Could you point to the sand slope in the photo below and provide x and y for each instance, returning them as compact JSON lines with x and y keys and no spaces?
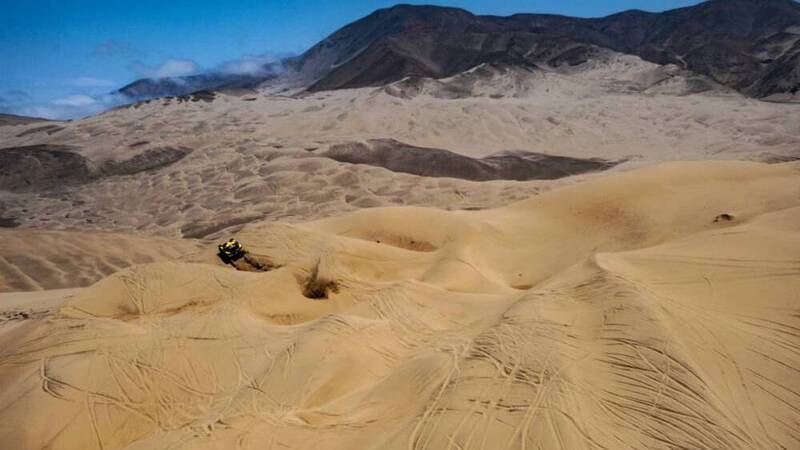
{"x":614,"y":313}
{"x":46,"y":259}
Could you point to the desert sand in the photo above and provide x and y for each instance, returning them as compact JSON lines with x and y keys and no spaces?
{"x":600,"y":257}
{"x":51,"y":259}
{"x":647,"y":308}
{"x":256,"y":157}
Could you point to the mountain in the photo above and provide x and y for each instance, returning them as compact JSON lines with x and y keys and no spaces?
{"x":752,"y":46}
{"x":12,"y":119}
{"x":164,"y":87}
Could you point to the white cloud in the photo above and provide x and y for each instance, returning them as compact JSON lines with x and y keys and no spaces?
{"x":176,"y":68}
{"x":91,"y":82}
{"x":170,"y":68}
{"x":248,"y":65}
{"x":112,"y":99}
{"x":75,"y":100}
{"x":44,"y":112}
{"x":70,"y":107}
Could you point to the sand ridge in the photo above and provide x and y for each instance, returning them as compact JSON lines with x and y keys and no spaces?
{"x":612,"y":313}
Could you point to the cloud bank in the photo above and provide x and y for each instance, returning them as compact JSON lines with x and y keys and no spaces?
{"x":75,"y":100}
{"x":65,"y":108}
{"x":85,"y":97}
{"x":170,"y":68}
{"x":252,"y":65}
{"x":90,"y":82}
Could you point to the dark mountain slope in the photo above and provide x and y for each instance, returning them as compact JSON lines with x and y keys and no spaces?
{"x":737,"y":42}
{"x":752,"y":46}
{"x":749,"y":45}
{"x":11,"y":119}
{"x":163,"y":87}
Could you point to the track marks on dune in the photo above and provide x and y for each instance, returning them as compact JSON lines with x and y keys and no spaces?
{"x":736,"y":342}
{"x":666,"y":391}
{"x":520,"y":381}
{"x":657,"y":348}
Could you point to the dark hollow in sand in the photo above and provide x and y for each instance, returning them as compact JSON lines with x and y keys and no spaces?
{"x":8,"y":222}
{"x":38,"y":168}
{"x":433,"y":162}
{"x":41,"y":167}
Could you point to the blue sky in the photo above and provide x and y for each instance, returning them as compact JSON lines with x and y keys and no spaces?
{"x":58,"y":57}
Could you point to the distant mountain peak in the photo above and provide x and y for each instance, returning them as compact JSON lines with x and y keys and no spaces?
{"x":408,"y":7}
{"x":749,"y":45}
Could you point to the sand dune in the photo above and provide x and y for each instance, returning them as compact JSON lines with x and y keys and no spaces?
{"x":44,"y":259}
{"x":654,"y":308}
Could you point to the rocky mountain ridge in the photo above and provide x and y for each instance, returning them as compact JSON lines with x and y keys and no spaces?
{"x":752,"y":46}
